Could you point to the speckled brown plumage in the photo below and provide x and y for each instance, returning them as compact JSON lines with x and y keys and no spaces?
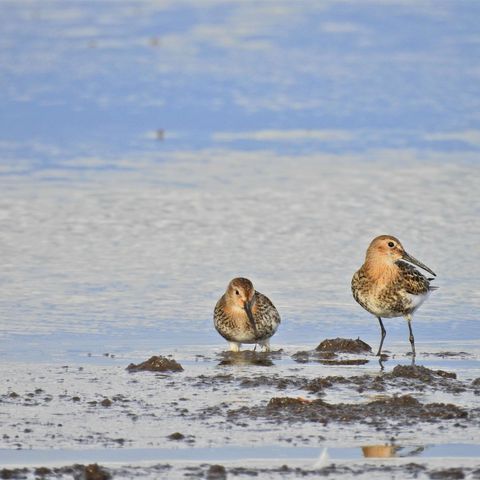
{"x":397,"y":297}
{"x":387,"y":286}
{"x":232,"y":321}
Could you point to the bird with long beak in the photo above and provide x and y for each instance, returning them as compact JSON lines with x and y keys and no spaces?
{"x":387,"y":285}
{"x":243,"y":315}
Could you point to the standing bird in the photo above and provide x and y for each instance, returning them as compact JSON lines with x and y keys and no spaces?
{"x":243,"y":315}
{"x":387,"y":286}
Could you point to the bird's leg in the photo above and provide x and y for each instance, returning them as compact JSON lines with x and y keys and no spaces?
{"x":411,"y":338}
{"x":380,"y":362}
{"x":265,"y":345}
{"x":234,"y":346}
{"x":383,"y":337}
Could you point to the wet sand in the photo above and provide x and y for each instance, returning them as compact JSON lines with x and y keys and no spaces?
{"x":228,"y":415}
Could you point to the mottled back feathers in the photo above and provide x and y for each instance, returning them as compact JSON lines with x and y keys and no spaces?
{"x":233,"y":323}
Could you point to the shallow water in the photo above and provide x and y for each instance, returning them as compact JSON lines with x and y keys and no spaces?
{"x":151,"y":152}
{"x":225,"y":454}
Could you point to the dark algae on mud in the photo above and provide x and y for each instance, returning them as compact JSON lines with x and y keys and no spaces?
{"x":344,"y":345}
{"x":156,"y":364}
{"x":403,"y":408}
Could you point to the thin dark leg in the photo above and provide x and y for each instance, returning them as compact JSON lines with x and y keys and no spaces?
{"x":411,"y":338}
{"x":383,"y":337}
{"x":380,"y":362}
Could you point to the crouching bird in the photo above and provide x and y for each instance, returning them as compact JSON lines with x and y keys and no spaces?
{"x":243,"y":315}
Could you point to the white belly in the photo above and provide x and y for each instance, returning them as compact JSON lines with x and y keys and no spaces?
{"x":417,"y":300}
{"x":410,"y":304}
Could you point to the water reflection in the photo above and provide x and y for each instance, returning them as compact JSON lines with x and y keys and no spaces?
{"x":379,"y":451}
{"x":249,"y":357}
{"x":391,"y":450}
{"x":384,"y":358}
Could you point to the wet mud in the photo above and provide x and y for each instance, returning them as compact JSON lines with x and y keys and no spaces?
{"x":224,"y":398}
{"x":395,"y":402}
{"x":403,"y":409}
{"x":418,"y":378}
{"x":279,"y":382}
{"x":77,"y":472}
{"x":156,"y":364}
{"x":217,"y":471}
{"x":447,"y":354}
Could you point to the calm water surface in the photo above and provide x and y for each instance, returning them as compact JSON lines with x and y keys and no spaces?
{"x":151,"y":151}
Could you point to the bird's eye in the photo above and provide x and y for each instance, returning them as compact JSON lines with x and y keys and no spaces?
{"x":391,"y":244}
{"x":237,"y":292}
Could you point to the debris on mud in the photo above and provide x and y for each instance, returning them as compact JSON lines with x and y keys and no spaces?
{"x":216,"y":472}
{"x":156,"y":364}
{"x":42,"y":471}
{"x":344,"y":345}
{"x":177,"y":436}
{"x":448,"y":474}
{"x":420,"y":373}
{"x":327,"y":352}
{"x":410,"y":375}
{"x":362,"y":383}
{"x":13,"y":472}
{"x":78,"y":472}
{"x":95,"y":472}
{"x":448,"y":354}
{"x":403,"y":408}
{"x":253,"y":381}
{"x":220,"y":472}
{"x":348,"y":361}
{"x":278,"y":382}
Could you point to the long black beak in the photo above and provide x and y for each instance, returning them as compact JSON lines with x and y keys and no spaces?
{"x":416,"y":262}
{"x":248,"y":309}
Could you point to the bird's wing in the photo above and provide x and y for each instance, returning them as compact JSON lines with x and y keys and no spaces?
{"x":413,"y":281}
{"x":265,"y":306}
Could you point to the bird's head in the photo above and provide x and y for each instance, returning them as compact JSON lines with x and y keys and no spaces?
{"x":241,"y":294}
{"x":388,"y":249}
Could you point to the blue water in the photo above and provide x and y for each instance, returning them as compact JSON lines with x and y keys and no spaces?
{"x":152,"y":151}
{"x":86,"y":78}
{"x":272,"y":453}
